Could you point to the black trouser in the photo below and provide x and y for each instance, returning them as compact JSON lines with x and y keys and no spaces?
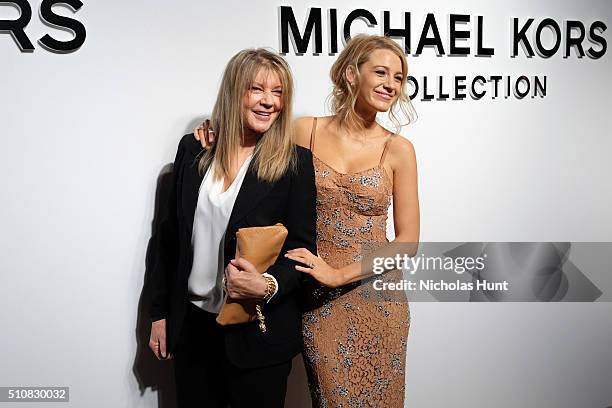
{"x":206,"y":378}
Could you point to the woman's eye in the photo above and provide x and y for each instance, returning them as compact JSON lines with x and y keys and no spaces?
{"x":380,"y":72}
{"x":256,"y":88}
{"x":398,"y":79}
{"x":277,"y":92}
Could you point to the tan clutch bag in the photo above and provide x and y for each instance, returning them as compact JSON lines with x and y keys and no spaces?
{"x":260,"y":246}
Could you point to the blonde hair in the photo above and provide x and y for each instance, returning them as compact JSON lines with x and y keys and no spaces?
{"x":274,"y":153}
{"x":344,"y":94}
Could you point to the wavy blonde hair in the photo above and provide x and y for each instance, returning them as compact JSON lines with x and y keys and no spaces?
{"x":344,"y":95}
{"x":274,"y":153}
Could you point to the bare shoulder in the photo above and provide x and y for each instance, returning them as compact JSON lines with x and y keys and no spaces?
{"x":401,"y":152}
{"x":301,"y":131}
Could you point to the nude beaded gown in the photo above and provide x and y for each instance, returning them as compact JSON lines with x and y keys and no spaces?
{"x":354,"y":336}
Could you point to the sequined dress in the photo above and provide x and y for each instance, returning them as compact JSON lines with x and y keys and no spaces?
{"x":354,"y":336}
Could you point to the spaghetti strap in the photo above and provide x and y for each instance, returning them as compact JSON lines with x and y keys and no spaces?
{"x":384,"y":153}
{"x":313,"y":132}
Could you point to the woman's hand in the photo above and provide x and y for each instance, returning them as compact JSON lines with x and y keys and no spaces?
{"x":205,"y":134}
{"x":242,"y":281}
{"x":317,"y":267}
{"x":157,"y":342}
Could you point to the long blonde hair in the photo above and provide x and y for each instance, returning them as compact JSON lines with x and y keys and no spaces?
{"x":344,"y":94}
{"x":274,"y":153}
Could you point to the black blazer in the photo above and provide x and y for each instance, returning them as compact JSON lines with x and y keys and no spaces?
{"x":290,"y":201}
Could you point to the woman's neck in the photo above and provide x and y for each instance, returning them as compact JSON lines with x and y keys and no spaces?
{"x":249,"y":140}
{"x":366,"y":117}
{"x":366,"y":125}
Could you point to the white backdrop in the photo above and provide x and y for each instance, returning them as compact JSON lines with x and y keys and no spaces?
{"x":86,"y":135}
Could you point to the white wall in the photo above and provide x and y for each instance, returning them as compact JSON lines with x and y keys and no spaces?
{"x":84,"y":137}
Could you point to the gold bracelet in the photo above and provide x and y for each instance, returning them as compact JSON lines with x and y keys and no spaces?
{"x":270,"y":288}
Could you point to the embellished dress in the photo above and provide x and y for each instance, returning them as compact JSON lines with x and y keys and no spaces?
{"x":354,"y":336}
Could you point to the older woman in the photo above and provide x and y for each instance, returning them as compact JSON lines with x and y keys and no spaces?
{"x":253,"y":176}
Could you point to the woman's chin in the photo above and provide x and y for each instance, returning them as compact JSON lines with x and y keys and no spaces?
{"x":259,"y":128}
{"x":378,"y":106}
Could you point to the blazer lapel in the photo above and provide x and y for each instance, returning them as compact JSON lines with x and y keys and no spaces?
{"x":250,"y":194}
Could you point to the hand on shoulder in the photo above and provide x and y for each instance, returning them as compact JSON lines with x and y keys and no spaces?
{"x":204,"y":134}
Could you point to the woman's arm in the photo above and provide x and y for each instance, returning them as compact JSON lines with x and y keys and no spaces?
{"x":300,"y":223}
{"x":165,"y":256}
{"x":242,"y":279}
{"x":165,"y":247}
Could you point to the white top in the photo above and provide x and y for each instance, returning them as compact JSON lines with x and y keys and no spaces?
{"x":209,"y":224}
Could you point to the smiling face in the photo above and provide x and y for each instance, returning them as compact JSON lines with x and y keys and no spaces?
{"x":380,"y":80}
{"x":262,"y":102}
